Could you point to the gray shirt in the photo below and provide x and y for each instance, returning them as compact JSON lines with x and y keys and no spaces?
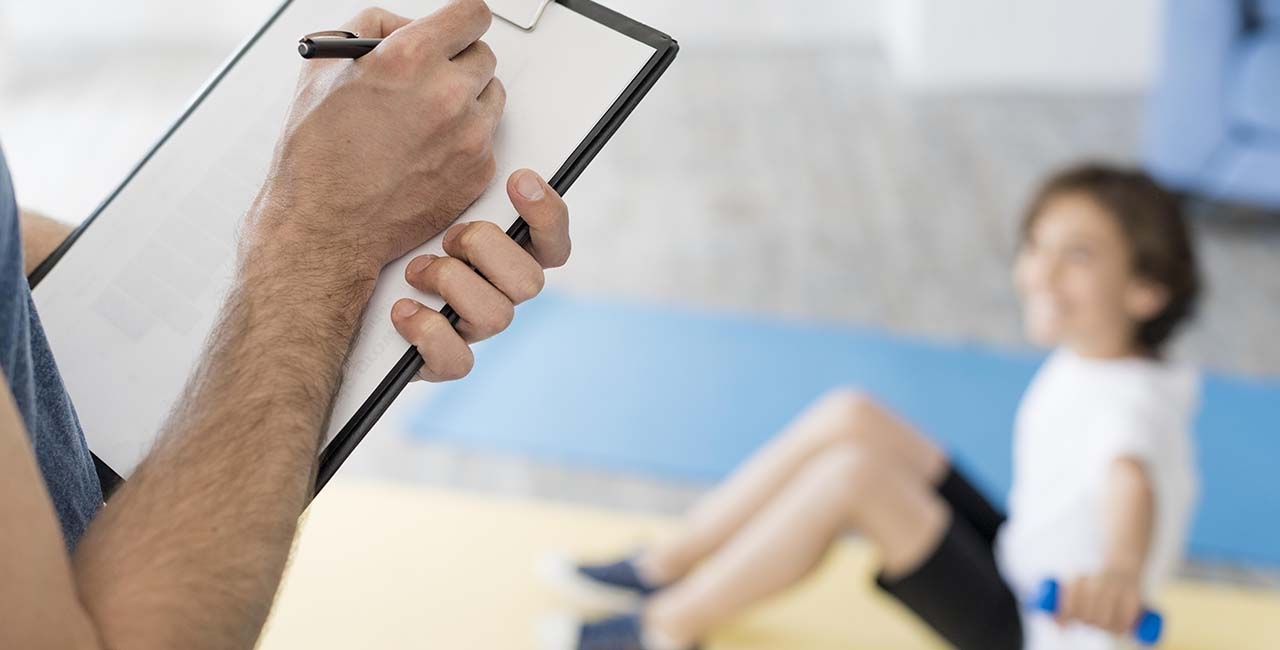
{"x":37,"y":388}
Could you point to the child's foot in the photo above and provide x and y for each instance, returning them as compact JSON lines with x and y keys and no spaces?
{"x":614,"y":588}
{"x":617,"y":633}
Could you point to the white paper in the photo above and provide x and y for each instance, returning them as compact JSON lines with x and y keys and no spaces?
{"x":128,"y":309}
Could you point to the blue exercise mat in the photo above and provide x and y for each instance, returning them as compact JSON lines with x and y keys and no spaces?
{"x":689,"y":395}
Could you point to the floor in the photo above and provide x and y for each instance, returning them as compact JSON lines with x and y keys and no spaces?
{"x":440,"y":590}
{"x":794,"y":181}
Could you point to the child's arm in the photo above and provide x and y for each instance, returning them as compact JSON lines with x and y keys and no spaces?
{"x":1112,"y":598}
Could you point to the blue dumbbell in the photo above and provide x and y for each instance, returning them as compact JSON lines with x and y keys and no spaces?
{"x":1147,"y":631}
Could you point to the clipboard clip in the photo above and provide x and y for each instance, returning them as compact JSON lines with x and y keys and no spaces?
{"x":524,"y":14}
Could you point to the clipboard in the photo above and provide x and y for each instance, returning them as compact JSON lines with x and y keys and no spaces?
{"x":523,"y":14}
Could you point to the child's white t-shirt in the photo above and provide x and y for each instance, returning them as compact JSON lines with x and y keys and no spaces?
{"x":1076,"y":418}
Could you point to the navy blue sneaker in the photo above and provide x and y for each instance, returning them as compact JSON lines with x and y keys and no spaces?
{"x":598,"y":589}
{"x":617,"y":633}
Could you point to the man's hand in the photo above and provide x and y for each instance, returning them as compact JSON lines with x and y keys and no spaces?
{"x":378,"y":155}
{"x":504,"y":275}
{"x":382,"y":153}
{"x":1110,"y":601}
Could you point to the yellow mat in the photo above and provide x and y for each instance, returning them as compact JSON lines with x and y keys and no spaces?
{"x":388,"y":566}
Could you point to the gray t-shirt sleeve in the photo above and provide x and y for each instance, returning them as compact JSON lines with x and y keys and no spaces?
{"x":37,"y":388}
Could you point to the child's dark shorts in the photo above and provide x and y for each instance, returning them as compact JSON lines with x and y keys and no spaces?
{"x":958,"y":590}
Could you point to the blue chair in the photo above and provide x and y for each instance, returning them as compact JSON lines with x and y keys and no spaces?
{"x":1213,"y":117}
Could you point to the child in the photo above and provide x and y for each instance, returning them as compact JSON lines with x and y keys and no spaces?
{"x":1104,"y":474}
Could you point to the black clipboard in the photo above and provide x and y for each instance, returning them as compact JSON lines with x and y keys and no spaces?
{"x":345,"y":442}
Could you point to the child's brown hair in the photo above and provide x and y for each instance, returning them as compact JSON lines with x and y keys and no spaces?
{"x":1160,"y":244}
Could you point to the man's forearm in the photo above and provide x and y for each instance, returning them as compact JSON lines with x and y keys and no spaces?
{"x":233,"y":470}
{"x":40,"y":237}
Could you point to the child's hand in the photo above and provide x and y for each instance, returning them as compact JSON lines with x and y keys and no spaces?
{"x":1111,"y":601}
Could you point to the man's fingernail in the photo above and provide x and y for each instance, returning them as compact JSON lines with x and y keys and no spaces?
{"x":419,"y":264}
{"x":529,"y":185}
{"x":404,"y":309}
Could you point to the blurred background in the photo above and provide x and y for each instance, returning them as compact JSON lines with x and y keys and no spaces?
{"x":905,"y":135}
{"x":824,"y":169}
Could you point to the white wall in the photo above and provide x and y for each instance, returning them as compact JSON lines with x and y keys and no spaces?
{"x":694,"y":21}
{"x":73,"y":120}
{"x":1034,"y":45}
{"x":1019,"y":43}
{"x":51,"y":24}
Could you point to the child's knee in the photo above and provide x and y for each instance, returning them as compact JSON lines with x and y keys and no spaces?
{"x":854,"y":417}
{"x":846,"y":400}
{"x":848,"y":472}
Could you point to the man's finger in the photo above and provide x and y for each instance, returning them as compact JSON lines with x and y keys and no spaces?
{"x":448,"y":31}
{"x":492,"y":102}
{"x":484,"y":310}
{"x":546,"y":214}
{"x":445,"y":355}
{"x":477,"y":63}
{"x":375,"y":22}
{"x":507,"y":266}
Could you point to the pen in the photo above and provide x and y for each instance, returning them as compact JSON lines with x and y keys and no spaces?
{"x":335,"y":44}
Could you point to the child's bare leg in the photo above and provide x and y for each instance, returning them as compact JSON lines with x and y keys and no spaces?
{"x":841,"y":418}
{"x":844,"y":488}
